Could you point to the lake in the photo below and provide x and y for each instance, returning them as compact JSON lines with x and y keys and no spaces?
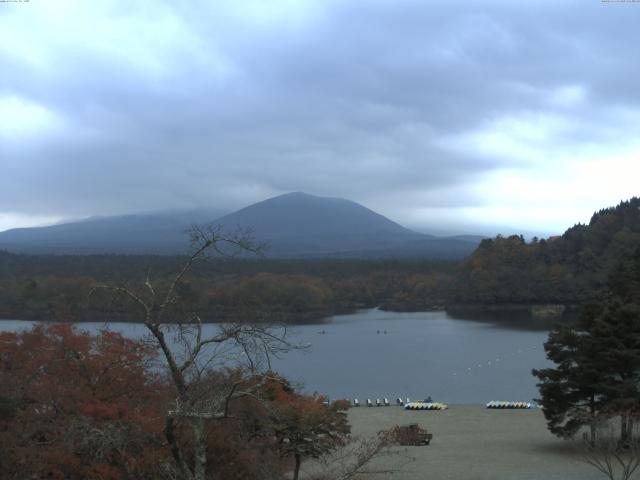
{"x":375,"y":354}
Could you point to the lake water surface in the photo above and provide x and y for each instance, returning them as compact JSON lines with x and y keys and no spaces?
{"x":376,"y":354}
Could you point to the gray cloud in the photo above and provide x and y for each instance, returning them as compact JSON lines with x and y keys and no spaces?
{"x":383,"y":102}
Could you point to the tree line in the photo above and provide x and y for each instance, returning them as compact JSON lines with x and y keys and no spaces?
{"x":43,"y":288}
{"x":570,"y":269}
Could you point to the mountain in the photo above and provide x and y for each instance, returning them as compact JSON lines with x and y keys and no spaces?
{"x":300,"y":215}
{"x":302,"y":225}
{"x":294,"y":225}
{"x":155,"y":233}
{"x":568,"y":269}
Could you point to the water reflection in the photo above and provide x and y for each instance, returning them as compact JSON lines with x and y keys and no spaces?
{"x":513,"y":319}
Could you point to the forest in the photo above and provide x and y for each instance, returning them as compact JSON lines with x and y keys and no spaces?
{"x":52,"y":287}
{"x":566,"y":270}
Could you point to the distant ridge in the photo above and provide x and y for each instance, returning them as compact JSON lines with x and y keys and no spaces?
{"x":152,"y":233}
{"x":295,"y":225}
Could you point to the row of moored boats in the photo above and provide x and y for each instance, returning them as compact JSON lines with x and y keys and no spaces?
{"x":429,"y":405}
{"x":502,"y":404}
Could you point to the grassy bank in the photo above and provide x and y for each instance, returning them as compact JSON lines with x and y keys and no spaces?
{"x":474,"y":443}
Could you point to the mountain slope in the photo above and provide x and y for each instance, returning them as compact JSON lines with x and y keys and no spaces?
{"x":294,"y":225}
{"x":301,"y":214}
{"x":157,"y":233}
{"x":299,"y":225}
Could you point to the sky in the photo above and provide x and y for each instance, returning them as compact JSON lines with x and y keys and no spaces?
{"x":461,"y":116}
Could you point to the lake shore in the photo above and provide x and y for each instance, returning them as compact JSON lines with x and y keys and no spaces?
{"x":220,"y":316}
{"x":471,"y":442}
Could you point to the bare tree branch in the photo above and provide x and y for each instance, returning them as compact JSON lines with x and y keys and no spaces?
{"x":614,"y":458}
{"x":361,"y":458}
{"x":188,"y":353}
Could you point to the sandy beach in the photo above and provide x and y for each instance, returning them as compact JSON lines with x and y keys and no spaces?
{"x":475,"y":443}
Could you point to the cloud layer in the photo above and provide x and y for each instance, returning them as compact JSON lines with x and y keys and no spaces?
{"x":445,"y":115}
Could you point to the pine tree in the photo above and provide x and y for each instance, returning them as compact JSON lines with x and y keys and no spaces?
{"x":571,"y":393}
{"x":597,"y":373}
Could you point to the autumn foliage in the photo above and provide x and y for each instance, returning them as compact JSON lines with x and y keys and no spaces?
{"x":305,"y":426}
{"x":77,"y":406}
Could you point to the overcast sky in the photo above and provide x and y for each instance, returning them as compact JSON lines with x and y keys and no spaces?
{"x":459,"y":116}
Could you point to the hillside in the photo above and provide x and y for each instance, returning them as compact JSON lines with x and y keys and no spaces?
{"x":157,"y":233}
{"x":568,"y":270}
{"x":295,"y":225}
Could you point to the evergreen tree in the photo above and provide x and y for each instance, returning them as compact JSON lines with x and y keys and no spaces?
{"x":571,"y":393}
{"x":597,"y":373}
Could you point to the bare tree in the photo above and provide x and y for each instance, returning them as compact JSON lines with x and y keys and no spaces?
{"x":608,"y":453}
{"x":363,"y":457}
{"x":190,"y":353}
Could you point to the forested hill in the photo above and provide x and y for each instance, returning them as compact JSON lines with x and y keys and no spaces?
{"x":569,"y":269}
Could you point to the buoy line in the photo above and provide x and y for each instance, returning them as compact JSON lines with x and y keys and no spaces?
{"x":493,"y":362}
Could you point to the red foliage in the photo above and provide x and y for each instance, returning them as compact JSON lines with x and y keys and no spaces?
{"x":74,"y":405}
{"x":305,"y":425}
{"x":77,"y":406}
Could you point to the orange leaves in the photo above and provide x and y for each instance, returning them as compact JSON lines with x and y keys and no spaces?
{"x":81,"y":406}
{"x":306,"y":427}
